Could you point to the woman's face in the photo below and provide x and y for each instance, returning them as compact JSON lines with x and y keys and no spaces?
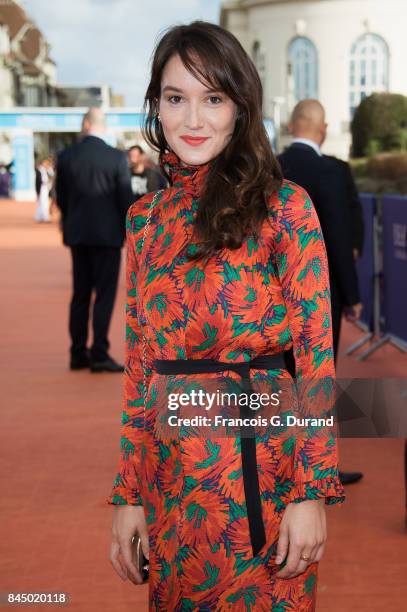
{"x":197,"y":122}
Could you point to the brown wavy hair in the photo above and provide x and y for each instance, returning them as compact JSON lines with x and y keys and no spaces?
{"x":241,"y":179}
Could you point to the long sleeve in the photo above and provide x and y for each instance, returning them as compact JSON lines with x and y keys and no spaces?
{"x":125,"y":488}
{"x":302,"y":268}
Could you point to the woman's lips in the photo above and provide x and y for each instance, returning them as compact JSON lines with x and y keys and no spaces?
{"x":194,"y":141}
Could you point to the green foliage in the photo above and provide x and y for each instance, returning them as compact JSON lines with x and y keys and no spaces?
{"x":379,"y":125}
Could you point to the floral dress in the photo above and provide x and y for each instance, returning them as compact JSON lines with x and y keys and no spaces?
{"x":265,"y":297}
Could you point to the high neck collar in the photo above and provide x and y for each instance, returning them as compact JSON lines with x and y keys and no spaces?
{"x":188,"y":177}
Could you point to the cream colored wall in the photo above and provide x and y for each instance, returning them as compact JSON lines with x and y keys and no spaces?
{"x":6,"y":87}
{"x":333,"y":26}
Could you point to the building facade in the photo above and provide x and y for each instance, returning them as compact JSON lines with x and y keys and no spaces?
{"x":338,"y":51}
{"x":27,"y":72}
{"x":36,"y":114}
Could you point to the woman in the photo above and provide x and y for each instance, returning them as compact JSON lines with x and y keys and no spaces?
{"x":231,"y":267}
{"x":43,"y":180}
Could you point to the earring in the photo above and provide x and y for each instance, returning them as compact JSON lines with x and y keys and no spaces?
{"x":158,"y":117}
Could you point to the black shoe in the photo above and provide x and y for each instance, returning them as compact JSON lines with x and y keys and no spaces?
{"x":108,"y":365}
{"x":347,"y":478}
{"x":79,"y":363}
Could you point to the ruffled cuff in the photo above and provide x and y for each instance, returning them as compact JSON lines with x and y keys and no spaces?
{"x":122,"y":497}
{"x":124,"y":492}
{"x":329,"y":488}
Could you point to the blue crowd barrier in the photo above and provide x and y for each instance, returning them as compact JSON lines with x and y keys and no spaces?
{"x":366,"y":263}
{"x":382,"y":274}
{"x":394,"y":218}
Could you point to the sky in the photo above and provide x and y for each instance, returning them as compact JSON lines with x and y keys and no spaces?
{"x":111,"y":41}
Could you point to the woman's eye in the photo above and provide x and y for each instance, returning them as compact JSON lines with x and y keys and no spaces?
{"x":215,"y":99}
{"x":174,"y":99}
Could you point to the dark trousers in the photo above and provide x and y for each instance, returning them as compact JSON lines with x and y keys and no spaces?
{"x":93,"y":268}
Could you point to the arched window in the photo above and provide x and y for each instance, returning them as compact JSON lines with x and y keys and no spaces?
{"x":369,"y":68}
{"x":303,"y":66}
{"x":259,"y":61}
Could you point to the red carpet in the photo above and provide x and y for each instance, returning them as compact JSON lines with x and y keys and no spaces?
{"x":60,"y":440}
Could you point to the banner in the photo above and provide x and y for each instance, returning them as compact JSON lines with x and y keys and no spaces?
{"x":365,"y":265}
{"x":23,"y":165}
{"x":394,"y":217}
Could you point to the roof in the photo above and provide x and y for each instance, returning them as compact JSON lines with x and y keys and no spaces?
{"x":12,"y":15}
{"x":31,"y":43}
{"x":32,"y":39}
{"x":31,"y":70}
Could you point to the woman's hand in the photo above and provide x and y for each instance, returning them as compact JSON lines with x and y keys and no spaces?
{"x":127,"y":521}
{"x":302,"y":532}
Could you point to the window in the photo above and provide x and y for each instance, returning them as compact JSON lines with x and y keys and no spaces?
{"x":369,"y":68}
{"x":303,"y":66}
{"x":32,"y":95}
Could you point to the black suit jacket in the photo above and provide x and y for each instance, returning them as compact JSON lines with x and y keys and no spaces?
{"x":38,"y":181}
{"x":326,"y":183}
{"x":358,"y":228}
{"x":93,"y":191}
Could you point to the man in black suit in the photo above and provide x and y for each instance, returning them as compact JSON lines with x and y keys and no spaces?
{"x":93,"y":192}
{"x":325,"y":180}
{"x":355,"y":207}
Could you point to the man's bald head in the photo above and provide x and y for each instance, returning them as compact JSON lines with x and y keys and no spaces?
{"x":94,"y":121}
{"x":308,"y":121}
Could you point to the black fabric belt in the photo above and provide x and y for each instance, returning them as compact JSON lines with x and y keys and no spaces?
{"x":247,"y":444}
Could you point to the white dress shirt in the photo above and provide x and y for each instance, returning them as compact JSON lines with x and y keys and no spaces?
{"x":310,"y":143}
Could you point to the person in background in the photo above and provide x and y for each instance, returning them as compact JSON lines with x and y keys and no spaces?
{"x":327,"y":184}
{"x":149,"y":163}
{"x":93,"y":192}
{"x":43,"y":182}
{"x":51,"y":174}
{"x":143,"y":178}
{"x":355,"y":207}
{"x":5,"y":181}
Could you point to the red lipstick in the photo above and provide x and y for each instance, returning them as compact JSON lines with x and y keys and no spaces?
{"x":194,"y":141}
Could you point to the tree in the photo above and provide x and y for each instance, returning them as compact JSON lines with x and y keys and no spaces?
{"x":380,"y":124}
